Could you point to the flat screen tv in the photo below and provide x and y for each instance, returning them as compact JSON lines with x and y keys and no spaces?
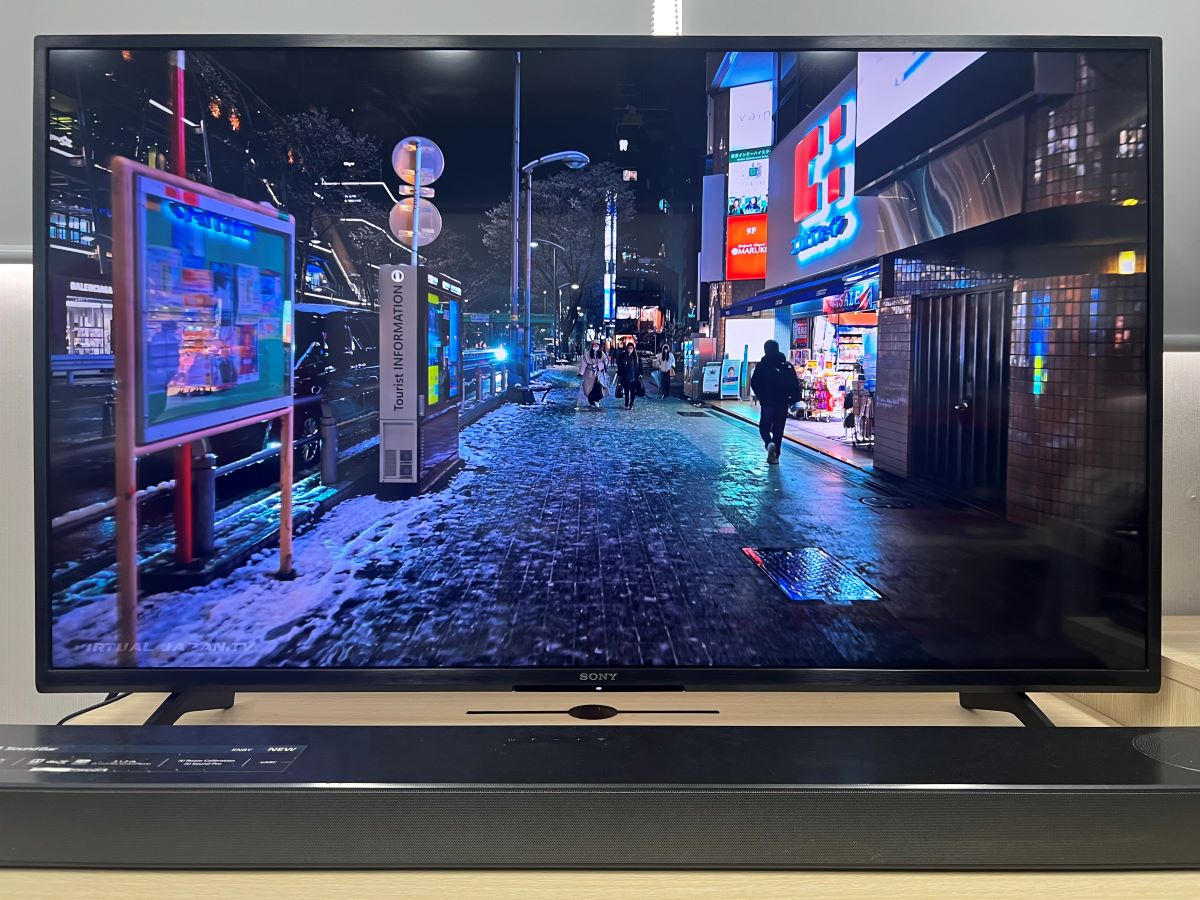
{"x":799,"y":363}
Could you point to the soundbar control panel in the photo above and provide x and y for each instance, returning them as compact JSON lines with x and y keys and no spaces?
{"x":87,"y":758}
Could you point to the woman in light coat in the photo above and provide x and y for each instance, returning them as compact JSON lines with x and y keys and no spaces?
{"x":592,"y":369}
{"x":665,"y":364}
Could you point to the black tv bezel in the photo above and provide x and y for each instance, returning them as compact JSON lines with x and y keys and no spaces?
{"x":1145,"y":679}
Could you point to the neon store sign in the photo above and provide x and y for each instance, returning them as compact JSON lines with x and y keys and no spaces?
{"x":211,"y":221}
{"x":823,"y":190}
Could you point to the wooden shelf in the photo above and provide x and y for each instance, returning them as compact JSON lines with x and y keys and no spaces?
{"x":736,"y":708}
{"x":523,"y":885}
{"x":1178,"y":702}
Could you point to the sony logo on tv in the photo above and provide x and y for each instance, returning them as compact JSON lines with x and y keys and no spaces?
{"x":211,"y":221}
{"x":597,"y":676}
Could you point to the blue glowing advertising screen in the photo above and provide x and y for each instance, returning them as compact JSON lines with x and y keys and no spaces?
{"x":443,"y":376}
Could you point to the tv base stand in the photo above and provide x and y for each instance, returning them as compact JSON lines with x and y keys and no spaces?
{"x":180,"y":703}
{"x":1015,"y":702}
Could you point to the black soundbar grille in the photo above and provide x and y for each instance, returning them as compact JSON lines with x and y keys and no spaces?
{"x":537,"y":827}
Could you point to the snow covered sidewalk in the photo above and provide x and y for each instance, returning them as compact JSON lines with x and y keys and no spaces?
{"x":588,"y":538}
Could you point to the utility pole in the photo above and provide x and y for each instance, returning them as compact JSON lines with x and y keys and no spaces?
{"x":177,"y":67}
{"x":515,"y":312}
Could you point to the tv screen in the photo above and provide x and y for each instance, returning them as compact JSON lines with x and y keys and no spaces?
{"x":319,"y":404}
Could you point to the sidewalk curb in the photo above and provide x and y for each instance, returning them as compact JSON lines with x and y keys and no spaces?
{"x":160,"y":575}
{"x":157,"y":571}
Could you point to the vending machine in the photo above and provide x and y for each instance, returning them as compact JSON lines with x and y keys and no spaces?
{"x":697,"y":352}
{"x":420,"y":375}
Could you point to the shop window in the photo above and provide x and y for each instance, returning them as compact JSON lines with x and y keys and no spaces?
{"x":72,"y":228}
{"x":317,"y":278}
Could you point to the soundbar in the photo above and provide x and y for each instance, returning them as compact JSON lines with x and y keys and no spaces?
{"x":587,"y":796}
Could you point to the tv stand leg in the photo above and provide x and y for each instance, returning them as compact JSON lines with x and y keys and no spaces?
{"x":1014,"y":702}
{"x":180,"y":703}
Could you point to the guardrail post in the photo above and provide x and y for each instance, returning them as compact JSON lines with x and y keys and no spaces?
{"x":329,"y":444}
{"x":108,"y":418}
{"x":204,"y":503}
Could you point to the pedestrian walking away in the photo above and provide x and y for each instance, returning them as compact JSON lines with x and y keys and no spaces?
{"x":665,"y":363}
{"x":776,"y":386}
{"x":629,"y":375}
{"x":591,"y":369}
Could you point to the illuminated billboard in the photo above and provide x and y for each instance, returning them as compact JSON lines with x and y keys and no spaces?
{"x":748,"y":181}
{"x":442,"y":362}
{"x":210,"y":300}
{"x":751,"y":111}
{"x":860,"y":293}
{"x":892,"y":83}
{"x":815,"y":222}
{"x":746,"y":247}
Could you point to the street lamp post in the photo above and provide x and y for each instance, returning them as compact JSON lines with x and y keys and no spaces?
{"x":554,"y":248}
{"x":558,"y":335}
{"x":573,"y":159}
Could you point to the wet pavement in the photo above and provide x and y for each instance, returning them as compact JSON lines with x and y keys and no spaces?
{"x":616,"y":538}
{"x":827,"y":437}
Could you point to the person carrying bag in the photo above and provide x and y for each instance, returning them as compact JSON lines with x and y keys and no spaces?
{"x":591,"y":369}
{"x":629,"y":373}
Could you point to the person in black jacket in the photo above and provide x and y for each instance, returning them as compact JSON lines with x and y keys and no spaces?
{"x":629,"y":373}
{"x":776,"y":386}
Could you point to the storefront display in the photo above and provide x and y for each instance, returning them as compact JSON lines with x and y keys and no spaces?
{"x":850,"y":348}
{"x":800,"y":346}
{"x":85,"y":328}
{"x":841,"y":401}
{"x":89,"y":328}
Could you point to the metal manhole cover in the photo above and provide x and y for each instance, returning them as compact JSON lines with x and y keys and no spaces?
{"x":809,"y":574}
{"x":691,"y":414}
{"x":886,"y":503}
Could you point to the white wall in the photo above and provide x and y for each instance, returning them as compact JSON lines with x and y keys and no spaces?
{"x":1181,"y":483}
{"x":18,"y":701}
{"x":1177,"y":20}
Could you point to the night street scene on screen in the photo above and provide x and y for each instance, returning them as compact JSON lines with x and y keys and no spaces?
{"x":785,"y":359}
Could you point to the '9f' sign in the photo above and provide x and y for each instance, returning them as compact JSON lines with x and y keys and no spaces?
{"x":811,"y":195}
